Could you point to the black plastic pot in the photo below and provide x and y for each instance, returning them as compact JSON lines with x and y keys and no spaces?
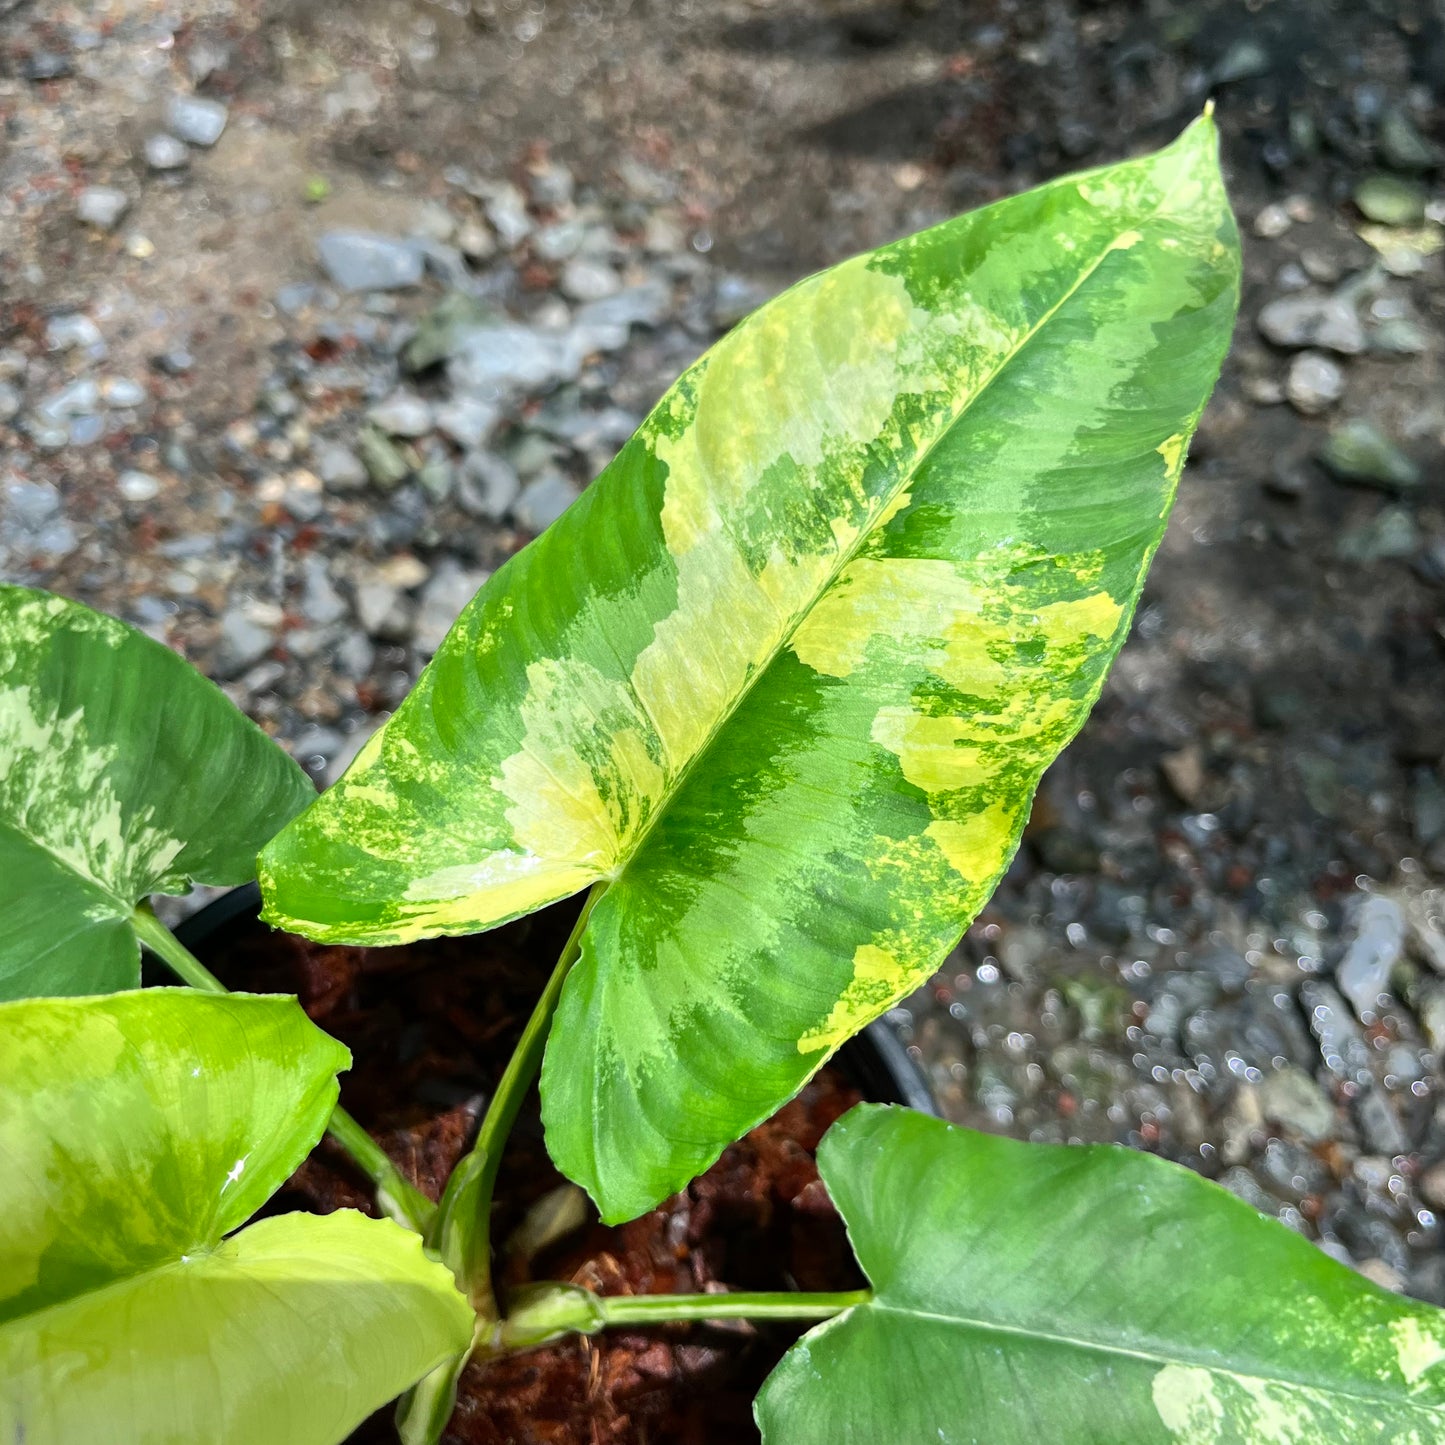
{"x":874,"y":1061}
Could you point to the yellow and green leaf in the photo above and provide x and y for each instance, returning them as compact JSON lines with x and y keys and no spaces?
{"x":1088,"y":1296}
{"x":787,"y":674}
{"x":123,"y":772}
{"x":137,"y":1131}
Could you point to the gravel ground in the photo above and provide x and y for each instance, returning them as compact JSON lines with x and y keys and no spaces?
{"x":310,"y":316}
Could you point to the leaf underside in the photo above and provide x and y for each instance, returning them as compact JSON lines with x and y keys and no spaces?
{"x":789,"y":671}
{"x":136,"y":1131}
{"x":1088,"y":1296}
{"x":123,"y":772}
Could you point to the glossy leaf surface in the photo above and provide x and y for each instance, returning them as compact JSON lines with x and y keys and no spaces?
{"x":789,"y":671}
{"x":1088,"y":1296}
{"x":123,"y":772}
{"x":136,"y":1131}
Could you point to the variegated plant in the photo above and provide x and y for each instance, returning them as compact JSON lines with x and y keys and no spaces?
{"x":776,"y":693}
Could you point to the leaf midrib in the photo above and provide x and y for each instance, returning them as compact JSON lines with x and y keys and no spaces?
{"x":1193,"y":1360}
{"x":847,"y":556}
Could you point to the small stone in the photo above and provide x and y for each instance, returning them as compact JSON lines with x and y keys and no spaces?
{"x":366,"y":261}
{"x":1392,"y":534}
{"x":321,"y":603}
{"x":1399,"y":336}
{"x":339,"y":468}
{"x":466,"y":421}
{"x":551,"y":186}
{"x":1390,"y":200}
{"x":46,"y":65}
{"x":488,"y":486}
{"x":584,"y":280}
{"x":383,"y":460}
{"x":10,"y":402}
{"x":543,"y":500}
{"x":101,"y":206}
{"x":1293,"y":1100}
{"x":1432,"y":1185}
{"x":1320,"y":266}
{"x":1358,"y":451}
{"x":74,"y":332}
{"x":354,"y":655}
{"x":137,"y":486}
{"x":382,"y":610}
{"x":491,"y":360}
{"x":433,"y":222}
{"x":1263,"y":390}
{"x":1382,"y":1274}
{"x":476,"y":242}
{"x":165,"y":153}
{"x":1184,"y":771}
{"x":436,"y":477}
{"x":451,"y":587}
{"x":1402,"y":147}
{"x":1311,"y":319}
{"x":1314,"y":383}
{"x":75,"y":398}
{"x":734,"y":297}
{"x":244,"y":641}
{"x":506,"y":210}
{"x":122,"y":392}
{"x":402,"y":414}
{"x":1341,"y":1042}
{"x":560,"y":240}
{"x":196,"y":120}
{"x":1379,"y":1126}
{"x":1379,"y":940}
{"x":1272,"y":221}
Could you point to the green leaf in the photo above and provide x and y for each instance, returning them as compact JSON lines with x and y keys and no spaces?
{"x":136,"y":1131}
{"x":123,"y":772}
{"x":1088,"y":1296}
{"x":789,"y":671}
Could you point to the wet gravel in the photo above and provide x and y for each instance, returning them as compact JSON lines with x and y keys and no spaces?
{"x":309,"y":320}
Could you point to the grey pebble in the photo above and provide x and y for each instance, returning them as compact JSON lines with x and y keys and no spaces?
{"x":339,"y":468}
{"x":1313,"y":319}
{"x":10,"y":402}
{"x":488,"y":486}
{"x":1292,"y":1099}
{"x":243,"y":643}
{"x":1378,"y":942}
{"x":101,"y":206}
{"x":1315,"y":383}
{"x":402,"y":414}
{"x":1358,"y":451}
{"x":449,"y":589}
{"x":366,"y":261}
{"x":320,"y":601}
{"x":74,"y":332}
{"x":137,"y":486}
{"x":585,"y":280}
{"x":165,"y":153}
{"x":196,"y":120}
{"x":466,"y":421}
{"x":543,"y":500}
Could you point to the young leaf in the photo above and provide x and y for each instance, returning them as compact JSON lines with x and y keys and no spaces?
{"x":123,"y":772}
{"x":1088,"y":1296}
{"x":137,"y":1130}
{"x":789,"y":671}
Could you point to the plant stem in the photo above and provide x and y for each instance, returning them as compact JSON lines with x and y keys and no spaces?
{"x":546,"y":1312}
{"x":397,"y":1196}
{"x":649,"y":1309}
{"x":460,"y":1230}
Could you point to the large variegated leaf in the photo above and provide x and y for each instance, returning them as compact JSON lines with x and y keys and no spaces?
{"x":789,"y":671}
{"x":123,"y":772}
{"x":136,"y":1131}
{"x":1088,"y":1296}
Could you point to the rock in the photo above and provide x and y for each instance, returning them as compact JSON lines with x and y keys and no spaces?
{"x":402,"y":414}
{"x":451,"y":587}
{"x":1399,"y":336}
{"x":1310,"y":318}
{"x":137,"y":486}
{"x":433,"y":222}
{"x":1382,"y":1274}
{"x":101,"y":206}
{"x":443,"y":329}
{"x":76,"y":398}
{"x":560,"y":240}
{"x":1293,"y":1100}
{"x":1243,"y":1185}
{"x":1379,"y":1126}
{"x":436,"y":477}
{"x":506,"y":210}
{"x":339,"y":468}
{"x":734,"y":297}
{"x":1178,"y":996}
{"x":244,"y":641}
{"x":1429,"y":1005}
{"x":354,"y":655}
{"x":384,"y":463}
{"x":605,"y":325}
{"x":74,"y":332}
{"x":382,"y":610}
{"x":10,"y":402}
{"x":1391,"y":534}
{"x":1184,"y":772}
{"x":121,"y":391}
{"x":491,"y":360}
{"x":196,"y":120}
{"x":1246,"y":59}
{"x":165,"y":153}
{"x":1272,"y":221}
{"x":1314,"y":383}
{"x":488,"y":486}
{"x":1402,"y":147}
{"x":366,"y":261}
{"x":475,"y":241}
{"x":543,"y":500}
{"x":1432,"y":1185}
{"x":1379,"y":941}
{"x":1341,"y":1043}
{"x":466,"y":421}
{"x":551,"y":186}
{"x":42,"y":65}
{"x":1358,"y":451}
{"x":321,"y":603}
{"x":584,"y":280}
{"x":1390,"y":200}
